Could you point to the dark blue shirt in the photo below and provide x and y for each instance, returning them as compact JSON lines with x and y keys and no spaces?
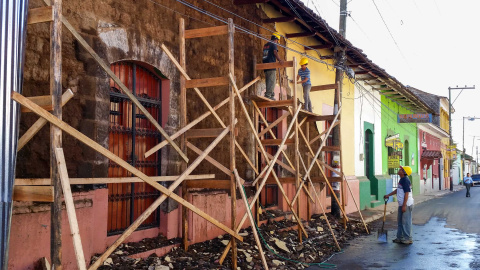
{"x":304,"y":74}
{"x":268,"y":53}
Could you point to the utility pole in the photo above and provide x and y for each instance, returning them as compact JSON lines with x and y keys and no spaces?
{"x":450,"y":125}
{"x":340,"y":62}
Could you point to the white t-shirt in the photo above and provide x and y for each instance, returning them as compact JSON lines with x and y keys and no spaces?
{"x":404,"y":185}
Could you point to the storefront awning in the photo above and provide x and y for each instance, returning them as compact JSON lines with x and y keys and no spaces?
{"x":431,"y":154}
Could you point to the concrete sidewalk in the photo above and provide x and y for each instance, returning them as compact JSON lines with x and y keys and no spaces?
{"x":372,"y":214}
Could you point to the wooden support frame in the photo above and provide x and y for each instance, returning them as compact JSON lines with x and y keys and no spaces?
{"x":206,"y":32}
{"x":166,"y":192}
{"x":267,"y":172}
{"x":285,"y":64}
{"x":204,"y":100}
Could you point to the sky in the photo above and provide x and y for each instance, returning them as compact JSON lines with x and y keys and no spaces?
{"x":427,"y":44}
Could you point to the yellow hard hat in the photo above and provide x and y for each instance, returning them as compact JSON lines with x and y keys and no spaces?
{"x":276,"y":35}
{"x":407,"y":169}
{"x":304,"y":61}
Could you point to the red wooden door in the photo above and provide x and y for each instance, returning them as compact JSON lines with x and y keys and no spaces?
{"x":130,"y":136}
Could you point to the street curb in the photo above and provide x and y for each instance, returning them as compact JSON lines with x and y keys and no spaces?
{"x":388,"y":212}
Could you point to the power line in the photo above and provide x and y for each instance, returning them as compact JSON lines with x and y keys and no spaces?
{"x":391,"y":35}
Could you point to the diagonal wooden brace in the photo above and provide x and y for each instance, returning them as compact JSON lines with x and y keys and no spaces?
{"x":70,"y":206}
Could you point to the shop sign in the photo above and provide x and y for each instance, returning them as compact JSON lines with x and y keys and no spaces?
{"x":393,"y":162}
{"x":394,"y":142}
{"x":414,"y":118}
{"x":452,"y":151}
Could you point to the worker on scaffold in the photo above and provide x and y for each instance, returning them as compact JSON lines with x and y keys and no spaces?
{"x":270,"y":55}
{"x":304,"y":75}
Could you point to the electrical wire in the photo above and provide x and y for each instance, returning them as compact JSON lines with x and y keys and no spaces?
{"x":391,"y":35}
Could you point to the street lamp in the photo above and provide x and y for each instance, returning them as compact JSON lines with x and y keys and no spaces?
{"x":463,"y":140}
{"x":450,"y":122}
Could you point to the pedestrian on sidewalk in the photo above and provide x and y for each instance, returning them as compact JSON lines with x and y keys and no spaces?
{"x":270,"y":55}
{"x":304,"y":74}
{"x":405,"y":206}
{"x":468,"y":181}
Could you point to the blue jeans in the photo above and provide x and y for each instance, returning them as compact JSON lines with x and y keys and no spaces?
{"x":270,"y":80}
{"x":306,"y":97}
{"x":404,"y":229}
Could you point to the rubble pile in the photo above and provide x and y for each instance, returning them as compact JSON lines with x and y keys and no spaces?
{"x":284,"y":248}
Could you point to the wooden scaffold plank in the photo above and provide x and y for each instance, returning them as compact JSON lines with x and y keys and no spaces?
{"x":33,"y":193}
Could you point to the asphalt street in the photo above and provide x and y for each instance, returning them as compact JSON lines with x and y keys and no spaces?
{"x":446,"y":236}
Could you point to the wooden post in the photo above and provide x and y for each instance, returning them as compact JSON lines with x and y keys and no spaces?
{"x":297,"y":162}
{"x":56,"y":133}
{"x":231,"y":31}
{"x":183,"y":122}
{"x":309,"y":186}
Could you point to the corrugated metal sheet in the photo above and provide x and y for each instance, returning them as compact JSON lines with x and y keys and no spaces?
{"x":13,"y":24}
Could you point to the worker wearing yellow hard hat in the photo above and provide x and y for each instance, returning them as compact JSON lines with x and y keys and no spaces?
{"x":303,"y":78}
{"x":405,"y":206}
{"x":270,"y":55}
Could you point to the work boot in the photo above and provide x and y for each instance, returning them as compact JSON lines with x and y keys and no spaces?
{"x":396,"y":240}
{"x":407,"y":242}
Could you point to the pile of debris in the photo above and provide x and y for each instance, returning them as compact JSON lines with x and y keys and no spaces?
{"x":282,"y":248}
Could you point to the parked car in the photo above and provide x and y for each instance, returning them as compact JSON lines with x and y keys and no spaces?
{"x":476,"y":179}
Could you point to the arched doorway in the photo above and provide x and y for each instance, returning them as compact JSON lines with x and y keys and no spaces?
{"x":130,"y":135}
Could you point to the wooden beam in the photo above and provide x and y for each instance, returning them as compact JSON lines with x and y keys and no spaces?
{"x":322,"y":133}
{"x":33,"y":193}
{"x":109,"y":180}
{"x":122,"y":86}
{"x":70,"y":207}
{"x":284,"y":64}
{"x":209,"y":159}
{"x":275,"y":103}
{"x":39,"y":15}
{"x":324,"y":87}
{"x":28,"y":135}
{"x":303,"y":34}
{"x":280,"y":19}
{"x":210,"y":184}
{"x":206,"y":32}
{"x":205,"y":133}
{"x":207,"y":82}
{"x":318,"y":47}
{"x":276,"y":141}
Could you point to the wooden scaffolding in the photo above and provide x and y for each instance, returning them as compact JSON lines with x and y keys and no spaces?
{"x":51,"y":189}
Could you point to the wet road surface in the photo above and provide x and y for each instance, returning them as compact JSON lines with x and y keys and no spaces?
{"x":446,"y":235}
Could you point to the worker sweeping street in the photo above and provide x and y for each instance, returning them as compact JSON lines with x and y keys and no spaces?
{"x":270,"y":55}
{"x":304,"y":75}
{"x":405,"y":206}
